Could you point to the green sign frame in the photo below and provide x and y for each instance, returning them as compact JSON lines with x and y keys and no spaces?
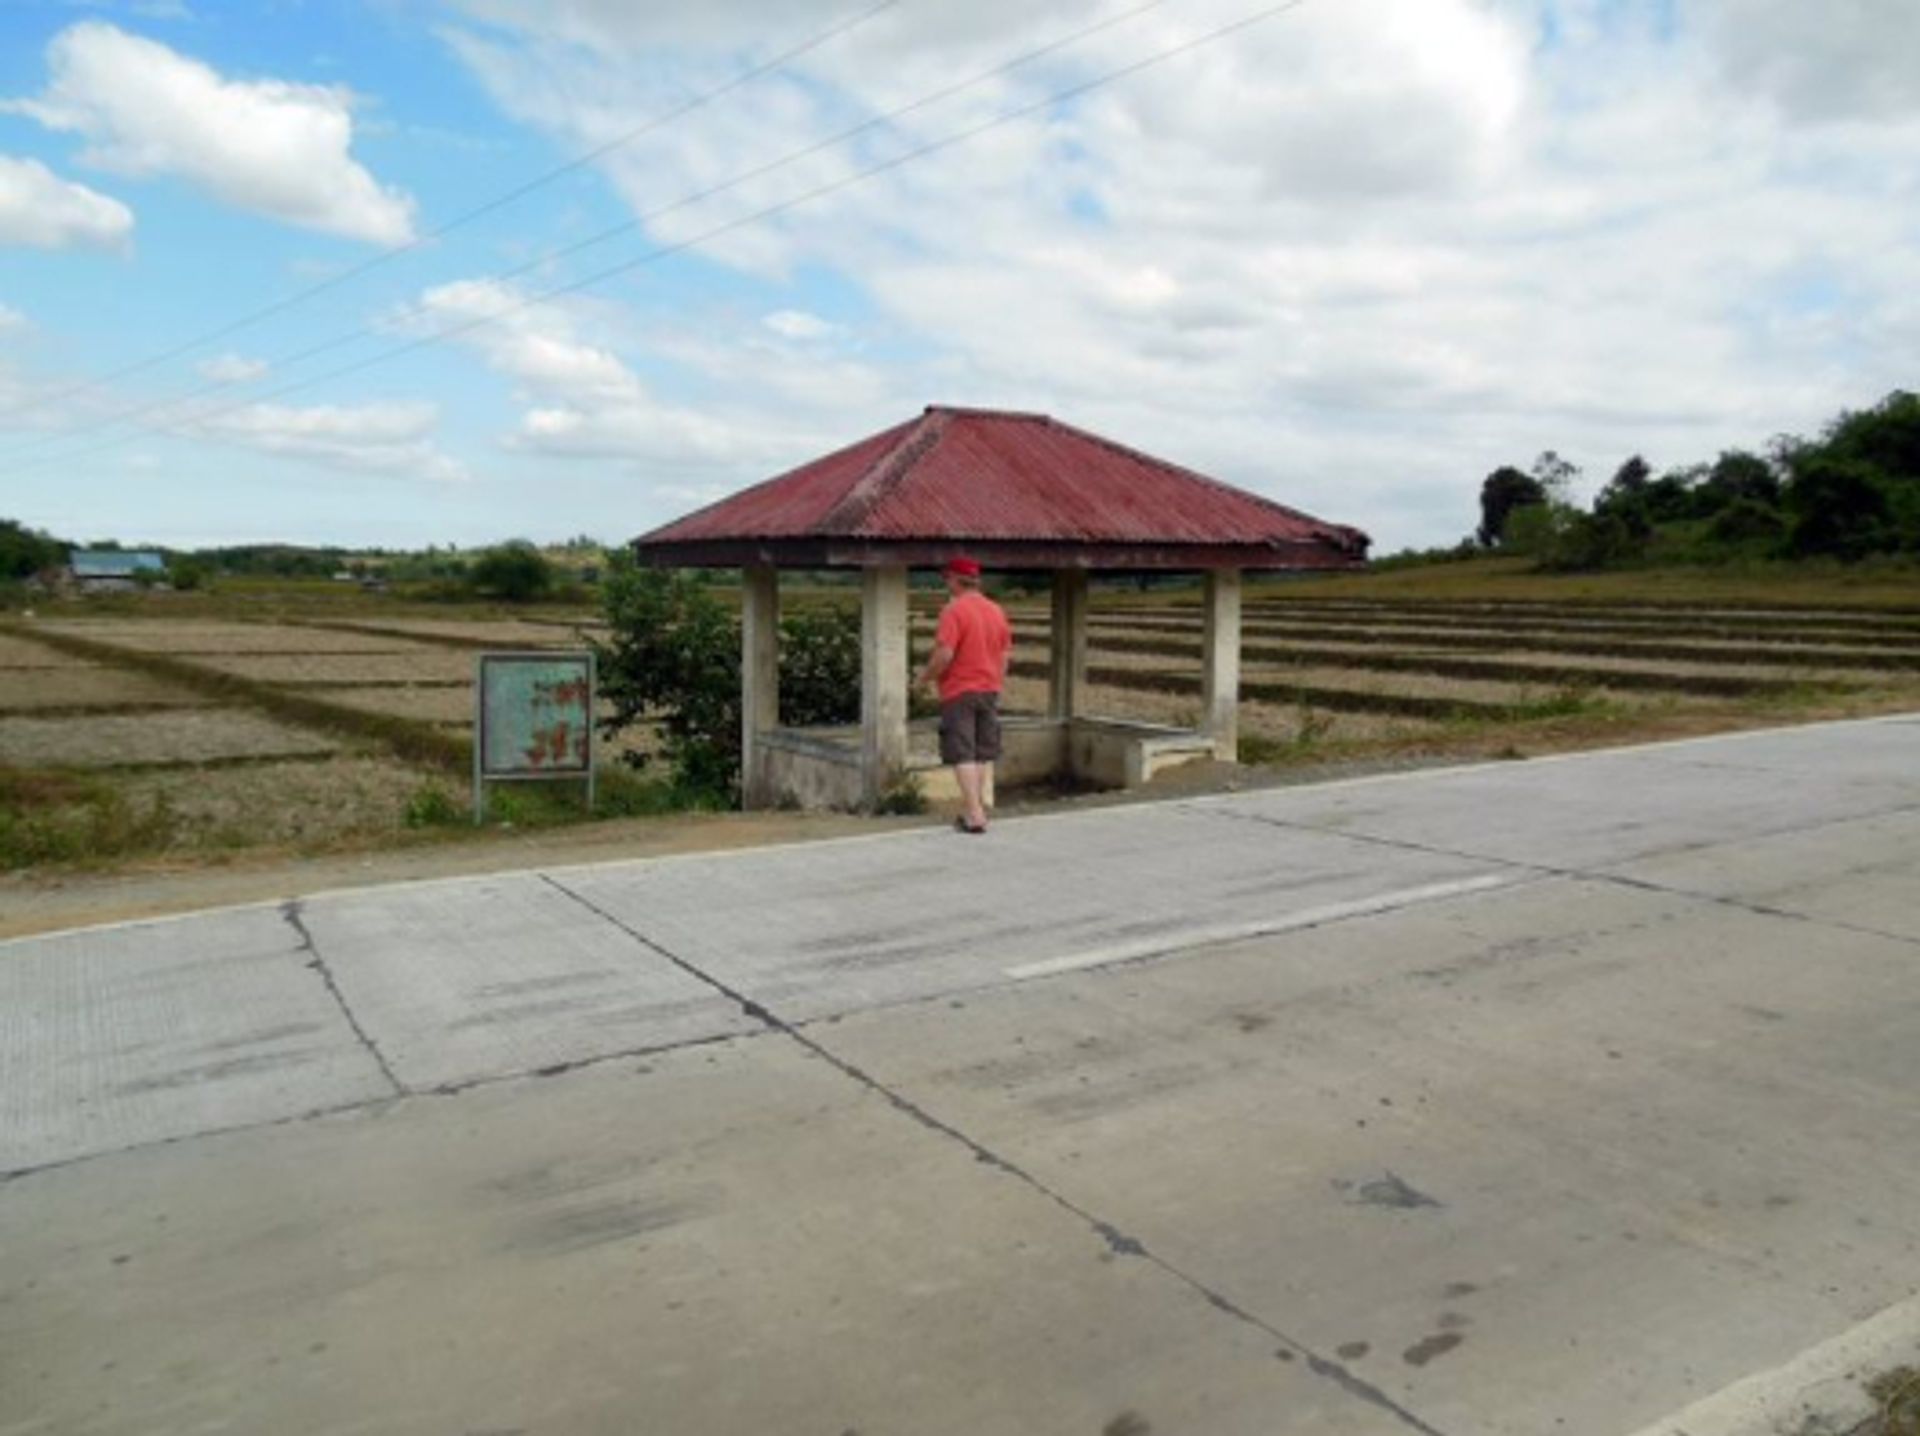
{"x":533,"y":719}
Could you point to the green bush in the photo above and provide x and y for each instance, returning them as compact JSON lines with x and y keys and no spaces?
{"x":675,"y":657}
{"x":1747,"y":523}
{"x":515,"y":572}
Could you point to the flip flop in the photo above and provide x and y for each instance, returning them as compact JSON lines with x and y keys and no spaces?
{"x":961,"y":825}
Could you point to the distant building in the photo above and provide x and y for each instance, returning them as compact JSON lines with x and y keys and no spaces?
{"x":114,"y":570}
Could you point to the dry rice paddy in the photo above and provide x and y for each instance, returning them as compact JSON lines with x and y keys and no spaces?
{"x":1320,"y":677}
{"x":203,"y":736}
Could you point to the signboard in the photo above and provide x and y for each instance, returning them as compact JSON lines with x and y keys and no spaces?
{"x":533,"y":718}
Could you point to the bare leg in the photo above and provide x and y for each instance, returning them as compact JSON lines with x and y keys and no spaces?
{"x":969,"y":776}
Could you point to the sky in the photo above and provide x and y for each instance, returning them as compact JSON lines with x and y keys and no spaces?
{"x":408,"y":272}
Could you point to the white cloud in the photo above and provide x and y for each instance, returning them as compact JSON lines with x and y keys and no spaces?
{"x":43,"y":211}
{"x":11,"y":319}
{"x":1835,"y":60}
{"x":271,"y":147}
{"x":797,"y":324}
{"x":1355,"y":256}
{"x":232,"y":369}
{"x":582,"y":400}
{"x":384,"y":438}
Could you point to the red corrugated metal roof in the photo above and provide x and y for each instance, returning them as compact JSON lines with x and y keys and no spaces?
{"x":982,"y":475}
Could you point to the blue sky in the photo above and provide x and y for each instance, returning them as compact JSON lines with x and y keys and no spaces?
{"x":1354,"y":256}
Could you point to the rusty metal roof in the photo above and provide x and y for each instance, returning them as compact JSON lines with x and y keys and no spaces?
{"x":1017,"y":489}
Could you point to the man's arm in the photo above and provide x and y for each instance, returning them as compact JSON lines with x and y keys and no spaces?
{"x":937,"y":663}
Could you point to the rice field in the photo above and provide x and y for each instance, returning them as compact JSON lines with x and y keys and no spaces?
{"x":301,"y":731}
{"x":79,"y":691}
{"x":110,"y":740}
{"x":382,"y":667}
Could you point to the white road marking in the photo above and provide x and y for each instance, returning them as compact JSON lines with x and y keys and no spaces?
{"x":1266,"y":927}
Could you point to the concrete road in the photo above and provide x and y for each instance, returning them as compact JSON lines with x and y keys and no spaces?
{"x":1543,"y":1097}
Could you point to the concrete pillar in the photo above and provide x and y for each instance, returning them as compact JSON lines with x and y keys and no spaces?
{"x":759,"y":677}
{"x":1220,"y":682}
{"x":1068,"y":677}
{"x":883,"y":678}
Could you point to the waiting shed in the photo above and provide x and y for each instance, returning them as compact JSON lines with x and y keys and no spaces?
{"x":1020,"y":492}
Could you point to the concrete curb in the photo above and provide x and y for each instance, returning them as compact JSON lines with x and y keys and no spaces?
{"x":1817,"y":1393}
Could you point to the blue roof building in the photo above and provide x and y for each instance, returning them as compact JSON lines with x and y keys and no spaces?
{"x":114,"y":567}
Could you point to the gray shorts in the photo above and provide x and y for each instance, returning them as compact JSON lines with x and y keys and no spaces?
{"x":970,"y":728}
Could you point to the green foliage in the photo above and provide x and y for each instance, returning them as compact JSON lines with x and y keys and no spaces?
{"x":432,"y":806}
{"x":1840,"y":507}
{"x":1465,"y":551}
{"x":515,"y":572}
{"x":675,"y":657}
{"x":1737,"y":476}
{"x":187,"y":575}
{"x":1747,"y":523}
{"x":819,"y":667}
{"x":54,"y":817}
{"x":1503,"y":491}
{"x":1851,"y":494}
{"x":1856,"y":490}
{"x":1593,"y":541}
{"x":25,"y":552}
{"x":904,"y":798}
{"x":1532,"y":530}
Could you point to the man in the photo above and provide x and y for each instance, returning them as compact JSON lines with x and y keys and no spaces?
{"x":971,"y":649}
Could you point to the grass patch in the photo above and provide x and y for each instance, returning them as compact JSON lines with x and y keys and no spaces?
{"x":1897,"y":1394}
{"x":63,"y":817}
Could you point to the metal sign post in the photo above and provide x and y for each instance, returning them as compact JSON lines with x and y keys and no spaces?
{"x":533,"y":720}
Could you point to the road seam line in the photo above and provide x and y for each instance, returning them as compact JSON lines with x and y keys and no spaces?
{"x":1600,"y":875}
{"x":367,"y":1104}
{"x":1263,"y":927}
{"x":1118,"y":1242}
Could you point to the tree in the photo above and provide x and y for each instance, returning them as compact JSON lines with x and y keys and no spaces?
{"x":1855,"y":491}
{"x":1839,"y":507}
{"x":516,"y":572}
{"x":1625,"y":499}
{"x":1555,"y":475}
{"x":25,"y":552}
{"x":1735,"y":476}
{"x":1503,"y":491}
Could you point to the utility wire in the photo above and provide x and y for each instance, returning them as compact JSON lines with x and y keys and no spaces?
{"x":519,"y":192}
{"x":628,"y":226}
{"x":196,"y":426}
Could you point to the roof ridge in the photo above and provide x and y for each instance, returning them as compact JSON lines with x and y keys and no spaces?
{"x":779,"y":478}
{"x":867,"y":491}
{"x":1221,"y":484}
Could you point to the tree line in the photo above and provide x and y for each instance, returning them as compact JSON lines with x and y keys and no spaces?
{"x":1850,"y":493}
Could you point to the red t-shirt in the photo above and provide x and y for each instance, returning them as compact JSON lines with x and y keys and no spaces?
{"x":975,"y":630}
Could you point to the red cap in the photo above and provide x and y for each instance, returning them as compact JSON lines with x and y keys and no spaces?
{"x":964,"y":567}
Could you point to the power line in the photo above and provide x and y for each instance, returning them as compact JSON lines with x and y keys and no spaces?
{"x":628,"y":226}
{"x":519,"y":192}
{"x":188,"y":428}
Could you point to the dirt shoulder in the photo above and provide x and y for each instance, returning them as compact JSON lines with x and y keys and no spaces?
{"x":42,"y":902}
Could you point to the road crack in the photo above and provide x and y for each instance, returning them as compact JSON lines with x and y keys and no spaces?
{"x":293,"y":913}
